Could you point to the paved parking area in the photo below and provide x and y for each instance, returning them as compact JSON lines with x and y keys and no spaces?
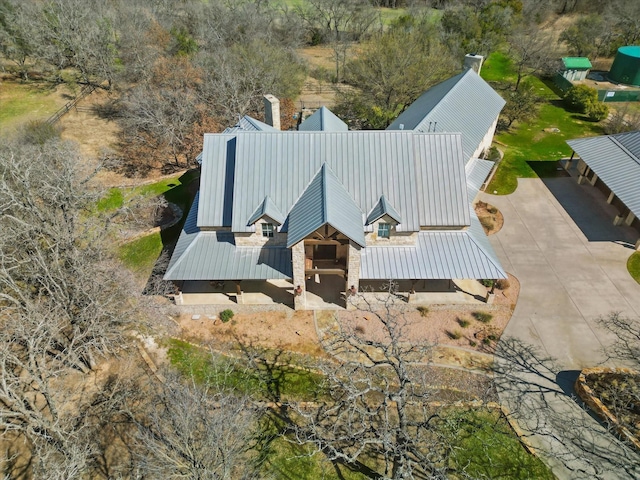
{"x":559,"y":240}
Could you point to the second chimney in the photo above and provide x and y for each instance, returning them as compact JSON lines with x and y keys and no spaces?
{"x":272,"y":111}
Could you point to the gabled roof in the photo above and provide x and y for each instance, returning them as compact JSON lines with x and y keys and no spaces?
{"x":325,"y":201}
{"x":324,"y":120}
{"x":267,"y":209}
{"x":616,"y":160}
{"x":211,"y":255}
{"x":421,"y":174}
{"x":250,"y":124}
{"x":464,"y":103}
{"x":576,"y":63}
{"x":382,"y":208}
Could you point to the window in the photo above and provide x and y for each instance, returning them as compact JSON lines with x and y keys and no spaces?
{"x":384,"y":229}
{"x":267,"y":230}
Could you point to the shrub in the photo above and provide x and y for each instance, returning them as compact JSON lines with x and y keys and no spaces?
{"x":492,"y":210}
{"x":226,"y":315}
{"x":473,"y":343}
{"x":580,"y":97}
{"x":487,"y":223}
{"x":424,"y":311}
{"x":492,"y":337}
{"x":463,"y":323}
{"x":487,"y":282}
{"x":503,"y":284}
{"x":483,"y":317}
{"x":38,"y":132}
{"x":455,"y":335}
{"x":597,"y":111}
{"x":359,"y":329}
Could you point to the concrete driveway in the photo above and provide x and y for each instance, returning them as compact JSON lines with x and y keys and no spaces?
{"x":559,"y":240}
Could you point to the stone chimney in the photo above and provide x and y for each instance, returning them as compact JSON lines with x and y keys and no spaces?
{"x":473,"y":61}
{"x":272,"y":111}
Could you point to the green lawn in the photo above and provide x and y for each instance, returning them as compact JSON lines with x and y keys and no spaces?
{"x":141,"y":254}
{"x":267,"y":382}
{"x":22,"y":102}
{"x":633,"y":265}
{"x":488,"y":448}
{"x":529,"y":141}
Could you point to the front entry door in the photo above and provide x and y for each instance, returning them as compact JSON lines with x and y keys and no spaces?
{"x":324,"y":252}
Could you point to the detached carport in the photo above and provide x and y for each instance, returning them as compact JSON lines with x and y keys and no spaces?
{"x":611,"y":163}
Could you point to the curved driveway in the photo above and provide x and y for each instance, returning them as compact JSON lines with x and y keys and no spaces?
{"x":559,"y":240}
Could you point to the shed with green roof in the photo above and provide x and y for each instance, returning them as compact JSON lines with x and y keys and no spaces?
{"x":575,"y":68}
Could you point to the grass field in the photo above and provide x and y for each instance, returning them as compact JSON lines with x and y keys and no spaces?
{"x":22,"y":102}
{"x":534,"y":140}
{"x":633,"y":265}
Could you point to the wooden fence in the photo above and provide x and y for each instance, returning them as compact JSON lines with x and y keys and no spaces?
{"x":58,"y":115}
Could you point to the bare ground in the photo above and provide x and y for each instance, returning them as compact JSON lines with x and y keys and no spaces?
{"x":296,"y":332}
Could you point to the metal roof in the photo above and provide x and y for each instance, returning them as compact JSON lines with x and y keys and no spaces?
{"x":422,"y":175}
{"x":616,"y":160}
{"x":464,"y":103}
{"x":324,"y":120}
{"x":576,"y":63}
{"x":325,"y":201}
{"x":382,"y":208}
{"x":250,"y":124}
{"x":267,"y":209}
{"x":477,"y":171}
{"x":211,"y":255}
{"x":436,"y":255}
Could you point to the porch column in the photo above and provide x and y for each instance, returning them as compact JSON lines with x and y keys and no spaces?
{"x":412,"y":291}
{"x":611,"y":197}
{"x":630,"y":218}
{"x":567,"y":164}
{"x":299,"y":279}
{"x":239,"y":299}
{"x":638,"y":245}
{"x":353,"y":271}
{"x":620,"y":218}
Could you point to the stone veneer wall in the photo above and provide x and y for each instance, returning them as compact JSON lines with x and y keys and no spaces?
{"x":353,"y":266}
{"x":395,"y":238}
{"x":297,"y":259}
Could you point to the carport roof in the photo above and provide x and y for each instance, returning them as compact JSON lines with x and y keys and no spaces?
{"x":616,"y":161}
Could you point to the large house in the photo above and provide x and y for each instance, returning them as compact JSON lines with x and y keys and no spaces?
{"x":346,"y":209}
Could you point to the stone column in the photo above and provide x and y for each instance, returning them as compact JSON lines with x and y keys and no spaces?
{"x":299,"y":278}
{"x":272,"y":111}
{"x":239,"y":298}
{"x":630,"y":218}
{"x":353,"y":271}
{"x":611,"y":197}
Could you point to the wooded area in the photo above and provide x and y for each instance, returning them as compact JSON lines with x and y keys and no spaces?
{"x":74,"y":400}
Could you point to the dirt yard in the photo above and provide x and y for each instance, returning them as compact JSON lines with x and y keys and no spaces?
{"x":445,"y":325}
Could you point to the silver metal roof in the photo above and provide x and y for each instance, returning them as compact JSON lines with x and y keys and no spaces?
{"x":616,"y":160}
{"x":324,"y":120}
{"x":250,"y":124}
{"x":210,"y":255}
{"x":422,"y":175}
{"x":464,"y":103}
{"x":437,"y":255}
{"x":382,"y":208}
{"x":325,"y":201}
{"x":267,"y":209}
{"x":477,"y":171}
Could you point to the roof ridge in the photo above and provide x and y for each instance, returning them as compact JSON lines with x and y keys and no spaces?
{"x":623,"y":148}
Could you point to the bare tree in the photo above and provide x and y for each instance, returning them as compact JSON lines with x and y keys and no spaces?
{"x":378,"y":410}
{"x":185,"y":430}
{"x":531,"y":51}
{"x":62,"y":304}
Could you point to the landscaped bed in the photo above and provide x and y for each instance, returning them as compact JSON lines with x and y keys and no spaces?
{"x":633,"y":265}
{"x":614,"y":395}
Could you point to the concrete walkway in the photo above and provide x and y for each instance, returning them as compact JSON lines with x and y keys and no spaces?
{"x":559,"y":240}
